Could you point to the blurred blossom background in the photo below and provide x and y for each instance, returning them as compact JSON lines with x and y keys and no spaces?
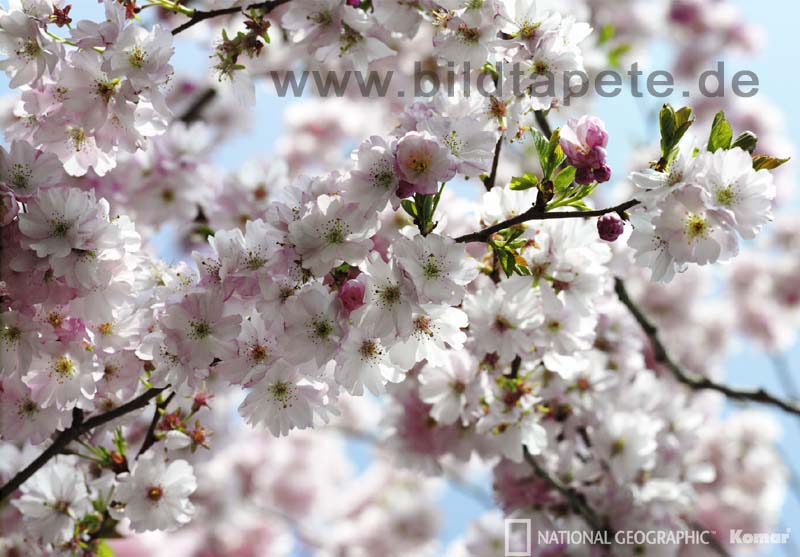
{"x":278,"y":125}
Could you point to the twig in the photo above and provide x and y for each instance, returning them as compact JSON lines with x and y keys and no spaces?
{"x":489,"y":181}
{"x":535,"y":214}
{"x":199,"y":15}
{"x":78,"y":428}
{"x":544,"y":125}
{"x":150,"y":436}
{"x":574,"y":499}
{"x":195,"y":110}
{"x":696,"y":382}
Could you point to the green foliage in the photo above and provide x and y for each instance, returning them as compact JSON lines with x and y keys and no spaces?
{"x":616,"y":54}
{"x":746,"y":141}
{"x":721,"y":133}
{"x":765,"y":162}
{"x":550,"y":153}
{"x":505,"y":245}
{"x":673,"y":125}
{"x":524,"y":182}
{"x":422,"y":210}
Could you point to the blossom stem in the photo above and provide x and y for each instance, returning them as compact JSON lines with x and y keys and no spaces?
{"x":198,"y":15}
{"x":693,"y":381}
{"x":535,"y":213}
{"x":173,"y":6}
{"x":79,"y":427}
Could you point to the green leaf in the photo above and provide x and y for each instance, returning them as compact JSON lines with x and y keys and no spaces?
{"x":746,"y":140}
{"x":683,"y":120}
{"x":765,"y":162}
{"x":542,"y":147}
{"x":667,"y":124}
{"x":564,"y":179}
{"x":607,"y":33}
{"x":524,"y":182}
{"x":721,"y":133}
{"x":103,"y":550}
{"x":409,"y":207}
{"x":616,"y":53}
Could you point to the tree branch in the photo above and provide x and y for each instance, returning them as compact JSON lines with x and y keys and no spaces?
{"x":150,"y":436}
{"x":194,"y":111}
{"x":488,"y":181}
{"x":78,"y":428}
{"x":574,"y":499}
{"x":199,"y":15}
{"x":696,"y":382}
{"x":544,"y":125}
{"x":535,"y":214}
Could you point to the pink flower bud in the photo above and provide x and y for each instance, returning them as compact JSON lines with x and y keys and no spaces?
{"x":610,"y":227}
{"x":8,"y":207}
{"x":584,"y":141}
{"x":351,"y":294}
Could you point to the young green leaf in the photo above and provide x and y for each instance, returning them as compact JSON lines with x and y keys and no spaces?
{"x":746,"y":140}
{"x":524,"y":182}
{"x":765,"y":162}
{"x":721,"y":133}
{"x":564,"y":179}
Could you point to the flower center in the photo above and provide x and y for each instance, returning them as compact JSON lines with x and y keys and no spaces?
{"x":106,"y":89}
{"x":501,"y":324}
{"x":321,"y":328}
{"x":334,"y":233}
{"x":527,"y":30}
{"x":389,"y":295}
{"x":725,"y":196}
{"x":422,"y":325}
{"x":11,"y":334}
{"x":420,"y":161}
{"x":468,"y":34}
{"x":137,"y":58}
{"x":20,"y":175}
{"x":696,"y":227}
{"x":64,"y":367}
{"x":155,"y":493}
{"x":200,"y":330}
{"x":431,"y":268}
{"x":29,"y":50}
{"x":281,"y":391}
{"x":77,"y":137}
{"x":258,"y":353}
{"x":369,"y":349}
{"x":540,"y":67}
{"x":28,"y":408}
{"x":59,"y":227}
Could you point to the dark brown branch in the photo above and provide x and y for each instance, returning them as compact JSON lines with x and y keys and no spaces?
{"x":693,"y":381}
{"x":199,"y":15}
{"x":78,"y":428}
{"x":150,"y":436}
{"x":575,"y":500}
{"x":195,"y":109}
{"x":544,"y":125}
{"x":535,"y":214}
{"x":488,"y":181}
